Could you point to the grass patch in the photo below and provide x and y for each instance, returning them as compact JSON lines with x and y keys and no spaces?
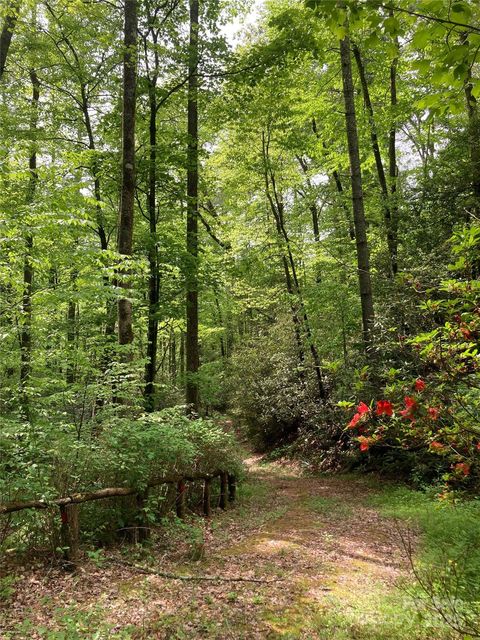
{"x":329,"y":506}
{"x":447,"y":559}
{"x":372,"y":617}
{"x":448,"y":529}
{"x":70,"y":623}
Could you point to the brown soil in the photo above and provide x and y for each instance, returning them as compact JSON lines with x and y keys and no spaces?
{"x":312,"y":540}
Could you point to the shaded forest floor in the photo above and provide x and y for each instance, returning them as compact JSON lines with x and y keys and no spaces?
{"x":329,"y":566}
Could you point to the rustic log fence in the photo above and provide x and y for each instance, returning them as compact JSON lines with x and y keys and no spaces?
{"x":69,"y":505}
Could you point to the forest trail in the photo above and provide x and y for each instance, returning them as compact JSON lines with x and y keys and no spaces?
{"x":328,"y":561}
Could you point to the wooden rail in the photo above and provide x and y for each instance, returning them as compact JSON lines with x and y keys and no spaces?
{"x":69,"y":511}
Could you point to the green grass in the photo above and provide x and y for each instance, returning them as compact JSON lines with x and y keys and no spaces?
{"x":447,"y":556}
{"x":329,"y":506}
{"x":448,"y":529}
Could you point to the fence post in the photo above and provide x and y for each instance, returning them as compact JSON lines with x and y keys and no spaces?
{"x":223,"y":490}
{"x":181,"y":494}
{"x":69,"y":533}
{"x":232,"y":488}
{"x":207,"y":490}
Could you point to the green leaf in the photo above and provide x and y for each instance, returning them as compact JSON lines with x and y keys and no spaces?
{"x":421,"y":38}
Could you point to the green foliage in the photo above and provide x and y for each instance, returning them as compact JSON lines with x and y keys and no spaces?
{"x":447,"y":567}
{"x":438,"y":416}
{"x":122,"y":452}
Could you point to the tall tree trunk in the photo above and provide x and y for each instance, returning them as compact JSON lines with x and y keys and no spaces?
{"x":192,"y":346}
{"x":382,"y":179}
{"x":6,"y":34}
{"x":363,"y":255}
{"x":26,"y":327}
{"x":392,"y":150}
{"x":474,"y":140}
{"x":153,"y":279}
{"x":125,"y":224}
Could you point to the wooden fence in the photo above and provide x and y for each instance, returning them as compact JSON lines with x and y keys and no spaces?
{"x":69,"y":511}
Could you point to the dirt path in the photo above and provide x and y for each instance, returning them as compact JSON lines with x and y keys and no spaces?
{"x":332,"y":559}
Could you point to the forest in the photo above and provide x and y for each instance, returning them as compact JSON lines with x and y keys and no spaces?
{"x":240,"y":319}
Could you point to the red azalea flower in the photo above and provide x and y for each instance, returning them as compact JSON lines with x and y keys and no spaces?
{"x":384,"y":407}
{"x":420,"y":385}
{"x":463,"y":467}
{"x":410,"y":406}
{"x":363,"y":408}
{"x":434,"y":413}
{"x":364,"y":443}
{"x":478,"y":446}
{"x":353,"y":422}
{"x":436,"y":446}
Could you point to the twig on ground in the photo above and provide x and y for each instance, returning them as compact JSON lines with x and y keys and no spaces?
{"x":176,"y":576}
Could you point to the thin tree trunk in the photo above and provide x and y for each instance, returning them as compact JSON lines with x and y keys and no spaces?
{"x":71,"y":335}
{"x":125,"y":225}
{"x":7,"y":33}
{"x":312,"y":205}
{"x":338,"y":186}
{"x":181,"y":355}
{"x":382,"y":179}
{"x":102,"y":234}
{"x":276,"y":206}
{"x":223,"y":351}
{"x":192,"y":346}
{"x":392,"y":150}
{"x":173,"y":356}
{"x":363,"y":255}
{"x":474,"y":140}
{"x":153,"y":279}
{"x":26,"y":330}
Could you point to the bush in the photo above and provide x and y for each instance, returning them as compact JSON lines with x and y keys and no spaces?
{"x":44,"y":462}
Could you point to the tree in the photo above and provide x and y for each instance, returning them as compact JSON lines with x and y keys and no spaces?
{"x":191,"y":342}
{"x":363,"y":257}
{"x":6,"y":34}
{"x":127,"y":198}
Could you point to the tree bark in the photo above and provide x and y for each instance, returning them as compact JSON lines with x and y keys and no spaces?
{"x":26,"y":330}
{"x":392,"y":154}
{"x":153,"y":277}
{"x":382,"y":179}
{"x":363,"y":254}
{"x":7,"y":33}
{"x":71,"y":325}
{"x":474,"y":141}
{"x":125,"y":224}
{"x":191,"y":344}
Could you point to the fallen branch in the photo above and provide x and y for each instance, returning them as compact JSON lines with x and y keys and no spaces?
{"x":176,"y":576}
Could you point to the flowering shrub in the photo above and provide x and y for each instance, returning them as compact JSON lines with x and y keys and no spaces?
{"x":438,"y":412}
{"x":416,"y":423}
